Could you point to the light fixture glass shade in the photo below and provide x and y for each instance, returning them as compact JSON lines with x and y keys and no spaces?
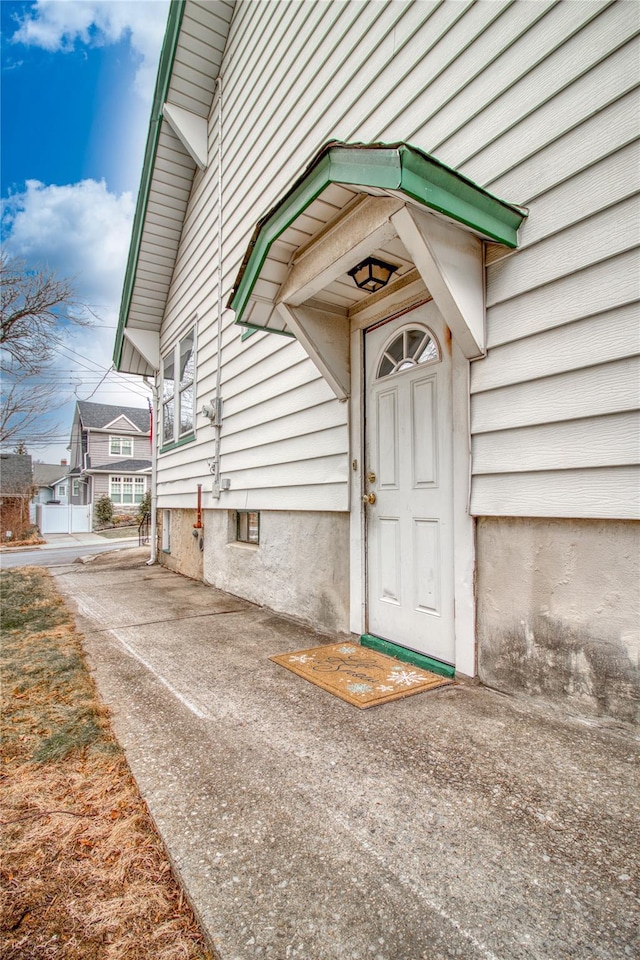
{"x":372,"y":274}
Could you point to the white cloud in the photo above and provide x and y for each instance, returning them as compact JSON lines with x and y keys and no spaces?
{"x":81,"y":231}
{"x":61,"y":24}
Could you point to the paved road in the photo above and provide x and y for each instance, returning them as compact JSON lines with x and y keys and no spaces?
{"x":58,"y":556}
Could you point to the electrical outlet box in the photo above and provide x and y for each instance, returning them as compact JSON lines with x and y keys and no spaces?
{"x":213,"y":411}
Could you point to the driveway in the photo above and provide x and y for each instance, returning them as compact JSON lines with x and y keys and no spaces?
{"x":455,"y":823}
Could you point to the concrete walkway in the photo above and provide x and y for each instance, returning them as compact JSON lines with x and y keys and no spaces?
{"x":87,"y":539}
{"x":456,"y":823}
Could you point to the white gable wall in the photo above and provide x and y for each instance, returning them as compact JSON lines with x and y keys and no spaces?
{"x":534,"y":102}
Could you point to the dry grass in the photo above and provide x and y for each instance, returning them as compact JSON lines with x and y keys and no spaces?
{"x":84,"y":874}
{"x":33,"y":540}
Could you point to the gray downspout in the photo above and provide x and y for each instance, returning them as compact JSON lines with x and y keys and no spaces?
{"x":218,"y":428}
{"x":153,"y":533}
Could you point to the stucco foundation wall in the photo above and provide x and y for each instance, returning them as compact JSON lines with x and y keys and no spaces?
{"x":185,"y":556}
{"x":559,"y":611}
{"x":299,"y":568}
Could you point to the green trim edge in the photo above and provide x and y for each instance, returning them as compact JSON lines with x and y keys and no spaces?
{"x":408,"y":656}
{"x":165,"y":69}
{"x":400,"y":168}
{"x":189,"y":438}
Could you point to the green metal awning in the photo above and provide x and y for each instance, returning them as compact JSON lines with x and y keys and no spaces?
{"x":397,"y":170}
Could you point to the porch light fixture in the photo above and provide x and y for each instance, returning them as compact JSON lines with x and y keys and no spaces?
{"x":372,"y":274}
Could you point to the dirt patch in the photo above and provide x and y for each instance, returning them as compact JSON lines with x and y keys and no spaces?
{"x":84,"y":873}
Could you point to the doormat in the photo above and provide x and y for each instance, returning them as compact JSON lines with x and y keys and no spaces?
{"x":362,"y":677}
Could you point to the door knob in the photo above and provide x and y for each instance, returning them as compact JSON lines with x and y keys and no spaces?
{"x":369,"y":498}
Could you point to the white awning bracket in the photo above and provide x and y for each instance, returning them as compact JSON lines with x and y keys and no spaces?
{"x":451,"y":263}
{"x":325,"y":338}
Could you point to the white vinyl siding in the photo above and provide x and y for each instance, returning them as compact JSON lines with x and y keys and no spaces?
{"x":537,"y":102}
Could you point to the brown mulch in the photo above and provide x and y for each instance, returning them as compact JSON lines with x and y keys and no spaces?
{"x":84,"y":873}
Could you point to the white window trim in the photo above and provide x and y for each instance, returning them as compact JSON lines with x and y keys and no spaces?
{"x":114,"y":437}
{"x":116,"y":497}
{"x":75,"y":488}
{"x":174,"y":398}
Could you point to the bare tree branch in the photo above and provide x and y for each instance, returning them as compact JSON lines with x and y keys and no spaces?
{"x":35,"y":308}
{"x":25,"y":411}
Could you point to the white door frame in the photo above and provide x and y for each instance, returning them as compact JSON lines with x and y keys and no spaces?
{"x":464,"y":527}
{"x":449,"y":262}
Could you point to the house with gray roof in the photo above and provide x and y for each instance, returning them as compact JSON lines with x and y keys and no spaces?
{"x":16,"y":487}
{"x":110,"y":454}
{"x":48,"y":480}
{"x":15,"y":474}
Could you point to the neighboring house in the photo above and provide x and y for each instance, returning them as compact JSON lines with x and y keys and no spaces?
{"x":110,"y":454}
{"x":16,"y":491}
{"x":445,"y":457}
{"x":61,"y":490}
{"x":48,"y":480}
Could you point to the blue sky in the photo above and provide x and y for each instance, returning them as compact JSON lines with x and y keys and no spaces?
{"x":77,"y":80}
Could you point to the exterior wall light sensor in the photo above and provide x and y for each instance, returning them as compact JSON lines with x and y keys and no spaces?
{"x":372,"y":274}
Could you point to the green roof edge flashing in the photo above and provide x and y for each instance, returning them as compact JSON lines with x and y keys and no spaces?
{"x":398,"y":167}
{"x":165,"y":69}
{"x":442,"y":189}
{"x":271,"y":227}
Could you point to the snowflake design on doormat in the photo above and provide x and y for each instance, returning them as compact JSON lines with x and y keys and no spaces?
{"x":383,"y":688}
{"x":301,"y":658}
{"x":347,"y":649}
{"x":405,"y":678}
{"x":359,"y":688}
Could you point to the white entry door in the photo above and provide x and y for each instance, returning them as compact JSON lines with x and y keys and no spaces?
{"x":408,"y":479}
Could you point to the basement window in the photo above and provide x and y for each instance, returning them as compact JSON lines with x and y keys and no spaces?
{"x":166,"y":531}
{"x":247,"y":526}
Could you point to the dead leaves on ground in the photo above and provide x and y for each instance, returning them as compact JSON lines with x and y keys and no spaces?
{"x":84,"y":873}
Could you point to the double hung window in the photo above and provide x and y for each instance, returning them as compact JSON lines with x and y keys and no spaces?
{"x":126,"y":489}
{"x":178,"y":372}
{"x":121,"y":446}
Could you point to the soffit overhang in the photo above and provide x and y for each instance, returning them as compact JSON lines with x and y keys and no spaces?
{"x":189,"y":66}
{"x":332,"y":186}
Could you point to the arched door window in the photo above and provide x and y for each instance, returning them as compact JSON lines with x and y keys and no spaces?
{"x":411,"y":347}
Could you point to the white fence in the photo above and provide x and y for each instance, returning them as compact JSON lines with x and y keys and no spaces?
{"x":60,"y":518}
